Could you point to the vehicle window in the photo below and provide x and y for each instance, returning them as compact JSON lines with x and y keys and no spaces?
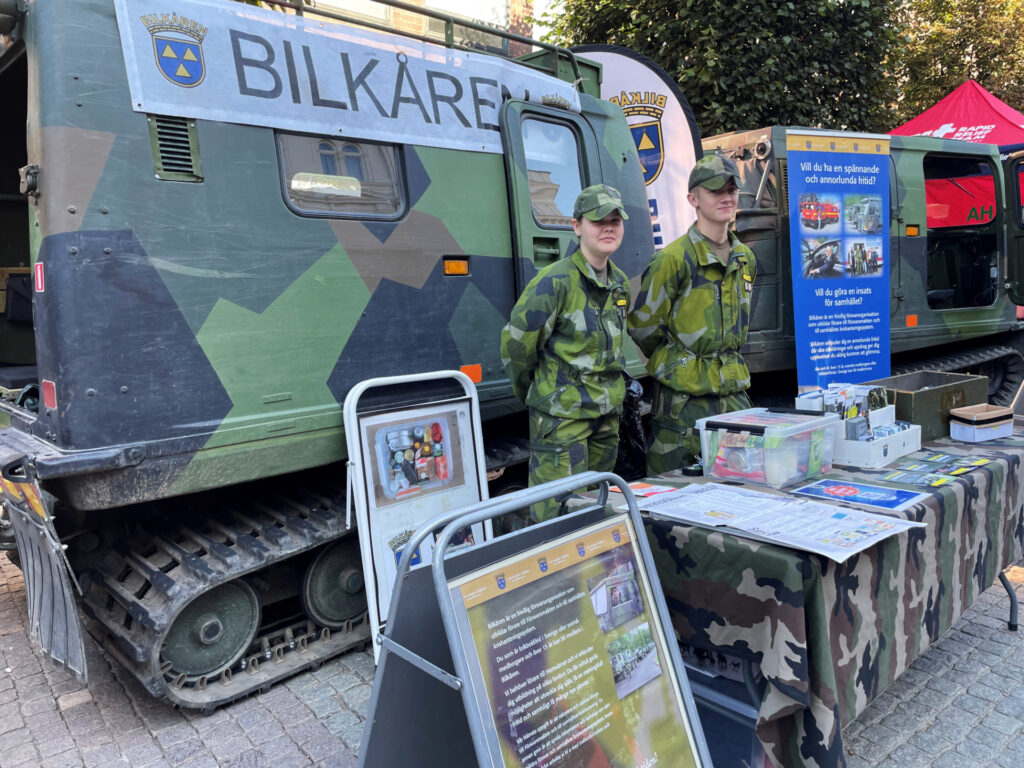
{"x":962,"y":245}
{"x":553,"y":169}
{"x":340,"y":177}
{"x":1020,"y":192}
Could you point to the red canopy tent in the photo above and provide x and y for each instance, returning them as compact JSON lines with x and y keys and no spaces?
{"x":969,"y":113}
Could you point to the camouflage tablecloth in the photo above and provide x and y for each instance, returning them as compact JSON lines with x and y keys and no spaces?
{"x":829,"y":638}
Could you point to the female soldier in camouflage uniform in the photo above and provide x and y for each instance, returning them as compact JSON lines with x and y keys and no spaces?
{"x":691,"y":319}
{"x":562,"y":349}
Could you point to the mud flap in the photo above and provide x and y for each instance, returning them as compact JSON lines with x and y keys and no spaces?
{"x":49,"y":583}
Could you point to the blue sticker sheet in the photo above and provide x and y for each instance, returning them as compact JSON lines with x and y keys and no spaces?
{"x":894,"y":499}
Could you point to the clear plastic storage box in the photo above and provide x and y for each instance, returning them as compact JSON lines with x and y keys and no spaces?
{"x":767,"y":446}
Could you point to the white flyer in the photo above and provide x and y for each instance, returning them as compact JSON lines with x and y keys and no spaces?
{"x":831,"y":531}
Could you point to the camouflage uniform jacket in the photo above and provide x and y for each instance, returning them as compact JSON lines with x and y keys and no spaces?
{"x":692,"y":314}
{"x":562,"y":347}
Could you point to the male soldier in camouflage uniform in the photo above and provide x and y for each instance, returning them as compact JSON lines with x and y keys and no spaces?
{"x":562,"y":349}
{"x":691,"y":319}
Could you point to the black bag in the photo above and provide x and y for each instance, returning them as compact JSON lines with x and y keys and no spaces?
{"x":631,"y":463}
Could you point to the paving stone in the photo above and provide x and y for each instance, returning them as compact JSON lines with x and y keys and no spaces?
{"x":105,"y":753}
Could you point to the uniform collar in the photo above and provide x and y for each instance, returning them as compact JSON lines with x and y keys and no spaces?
{"x":704,"y":252}
{"x":585,"y":267}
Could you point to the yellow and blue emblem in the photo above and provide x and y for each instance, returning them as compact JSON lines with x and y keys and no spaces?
{"x":500,"y":580}
{"x":542,"y":563}
{"x":178,"y":47}
{"x":647,"y":137}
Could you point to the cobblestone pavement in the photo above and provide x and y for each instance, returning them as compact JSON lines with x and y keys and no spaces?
{"x":960,"y":705}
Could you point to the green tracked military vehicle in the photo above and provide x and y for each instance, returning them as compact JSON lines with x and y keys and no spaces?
{"x":956,"y":266}
{"x":216,"y":219}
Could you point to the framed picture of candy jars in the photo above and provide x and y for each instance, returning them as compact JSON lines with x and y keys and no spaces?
{"x":408,"y":463}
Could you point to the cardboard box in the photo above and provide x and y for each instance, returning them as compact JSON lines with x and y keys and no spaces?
{"x":976,"y":423}
{"x":768,"y":446}
{"x":927,"y":397}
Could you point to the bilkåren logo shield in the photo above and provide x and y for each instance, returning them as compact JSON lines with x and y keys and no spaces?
{"x":178,"y":47}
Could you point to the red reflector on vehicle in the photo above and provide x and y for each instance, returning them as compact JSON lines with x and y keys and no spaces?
{"x":50,"y":395}
{"x":475,"y":372}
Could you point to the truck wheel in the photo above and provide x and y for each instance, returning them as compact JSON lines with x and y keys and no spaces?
{"x":333,"y":590}
{"x":211,"y":633}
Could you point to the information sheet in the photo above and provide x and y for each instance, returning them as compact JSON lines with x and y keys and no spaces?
{"x":568,"y":658}
{"x":833,"y":532}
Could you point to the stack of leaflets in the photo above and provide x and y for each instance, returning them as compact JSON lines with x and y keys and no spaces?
{"x":933,"y":470}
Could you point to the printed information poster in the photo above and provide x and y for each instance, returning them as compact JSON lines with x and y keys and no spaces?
{"x":420,"y":462}
{"x":839,"y":231}
{"x":568,"y":658}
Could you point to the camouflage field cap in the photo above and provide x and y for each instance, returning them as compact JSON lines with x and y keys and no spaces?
{"x":712,"y":172}
{"x":598,"y":201}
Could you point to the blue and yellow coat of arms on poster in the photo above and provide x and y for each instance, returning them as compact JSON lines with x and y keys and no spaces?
{"x":178,"y":47}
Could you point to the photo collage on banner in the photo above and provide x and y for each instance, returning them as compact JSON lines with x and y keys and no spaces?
{"x":839,"y":235}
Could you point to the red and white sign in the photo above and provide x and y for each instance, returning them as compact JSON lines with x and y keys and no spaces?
{"x":40,"y":278}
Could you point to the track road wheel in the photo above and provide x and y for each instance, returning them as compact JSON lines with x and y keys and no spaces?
{"x":211,"y":633}
{"x":333,"y":589}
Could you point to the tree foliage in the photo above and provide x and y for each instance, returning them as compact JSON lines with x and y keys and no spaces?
{"x":756,"y":63}
{"x":950,"y":41}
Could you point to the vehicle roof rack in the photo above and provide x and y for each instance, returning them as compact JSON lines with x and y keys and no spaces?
{"x":547,"y":63}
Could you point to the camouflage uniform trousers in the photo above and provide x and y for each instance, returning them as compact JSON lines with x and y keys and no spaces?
{"x":674,"y":441}
{"x":563,"y":447}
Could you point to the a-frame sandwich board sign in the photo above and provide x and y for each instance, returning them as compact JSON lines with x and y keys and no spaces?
{"x":415,"y":447}
{"x":544,"y":647}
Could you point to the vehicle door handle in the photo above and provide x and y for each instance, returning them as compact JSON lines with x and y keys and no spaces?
{"x":546,"y":249}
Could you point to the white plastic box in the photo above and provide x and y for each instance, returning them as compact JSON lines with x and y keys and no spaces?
{"x":977,"y":423}
{"x":767,"y":446}
{"x":872,"y":454}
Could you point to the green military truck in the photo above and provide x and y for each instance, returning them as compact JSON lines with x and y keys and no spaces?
{"x":956,"y":257}
{"x":216,"y":219}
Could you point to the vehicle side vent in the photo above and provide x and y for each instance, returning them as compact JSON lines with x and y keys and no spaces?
{"x":175,"y":148}
{"x":784,"y":188}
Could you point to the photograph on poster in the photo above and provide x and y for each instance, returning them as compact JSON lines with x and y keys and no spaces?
{"x":615,"y":597}
{"x":822,"y":257}
{"x":568,"y":658}
{"x":819,"y":212}
{"x":863,"y":257}
{"x":863,"y":213}
{"x":417,"y":456}
{"x":634,"y":660}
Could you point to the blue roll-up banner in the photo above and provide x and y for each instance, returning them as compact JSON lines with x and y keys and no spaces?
{"x":839,"y":235}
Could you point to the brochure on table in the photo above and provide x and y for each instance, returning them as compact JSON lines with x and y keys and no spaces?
{"x":568,"y":660}
{"x":408,"y":465}
{"x":837,"y":533}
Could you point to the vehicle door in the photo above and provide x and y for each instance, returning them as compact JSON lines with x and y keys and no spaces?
{"x":550,"y":155}
{"x":1014,"y":173}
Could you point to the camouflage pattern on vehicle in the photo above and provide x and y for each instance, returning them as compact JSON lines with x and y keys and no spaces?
{"x":954,"y":288}
{"x":195,"y":320}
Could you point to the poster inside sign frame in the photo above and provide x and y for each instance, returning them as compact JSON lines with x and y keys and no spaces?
{"x":416,"y":463}
{"x":569,"y":663}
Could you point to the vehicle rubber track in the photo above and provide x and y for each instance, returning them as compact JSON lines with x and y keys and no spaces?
{"x":135,"y":593}
{"x":1013,"y":363}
